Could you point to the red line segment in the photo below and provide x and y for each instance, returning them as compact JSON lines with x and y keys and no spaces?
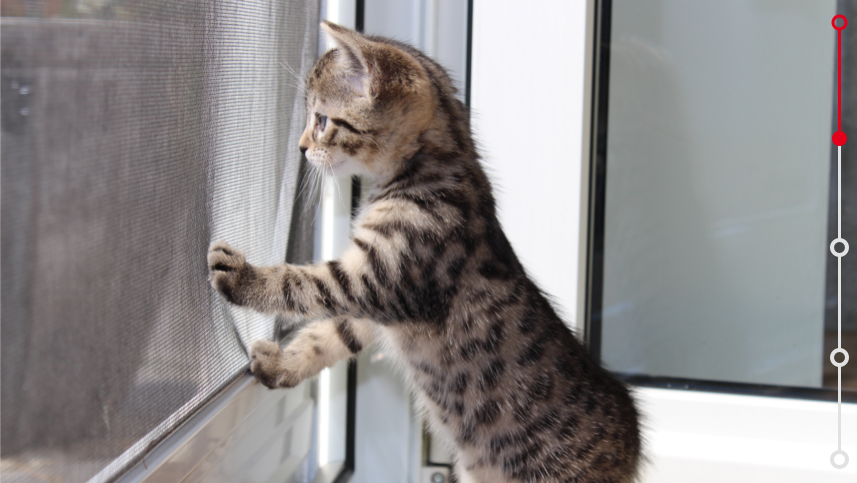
{"x":839,"y":137}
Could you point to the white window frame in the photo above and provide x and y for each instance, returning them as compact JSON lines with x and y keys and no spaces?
{"x":538,"y":154}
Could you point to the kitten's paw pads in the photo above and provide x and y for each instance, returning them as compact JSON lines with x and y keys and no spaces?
{"x":267,"y":364}
{"x":226,"y":267}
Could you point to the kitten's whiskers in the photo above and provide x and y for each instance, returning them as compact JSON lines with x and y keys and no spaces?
{"x":301,"y":81}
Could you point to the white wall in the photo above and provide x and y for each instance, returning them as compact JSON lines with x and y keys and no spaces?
{"x":528,"y":111}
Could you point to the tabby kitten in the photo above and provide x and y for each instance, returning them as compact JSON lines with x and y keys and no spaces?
{"x":430,"y":274}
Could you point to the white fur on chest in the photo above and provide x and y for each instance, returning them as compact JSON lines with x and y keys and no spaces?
{"x":408,"y":353}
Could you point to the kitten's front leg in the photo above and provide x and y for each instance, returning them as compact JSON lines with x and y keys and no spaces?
{"x":318,"y":345}
{"x":352,"y":286}
{"x":359,"y":284}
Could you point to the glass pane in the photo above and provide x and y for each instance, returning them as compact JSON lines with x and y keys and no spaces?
{"x":133,"y":134}
{"x":718,"y":192}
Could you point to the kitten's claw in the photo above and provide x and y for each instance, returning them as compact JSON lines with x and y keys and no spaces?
{"x":226,"y":268}
{"x":267,"y":363}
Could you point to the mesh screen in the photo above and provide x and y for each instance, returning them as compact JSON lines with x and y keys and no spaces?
{"x":133,"y":134}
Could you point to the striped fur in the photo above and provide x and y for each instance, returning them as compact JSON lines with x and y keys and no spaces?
{"x":430,"y":274}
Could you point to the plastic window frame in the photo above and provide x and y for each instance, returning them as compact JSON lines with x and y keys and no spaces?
{"x":713,"y":430}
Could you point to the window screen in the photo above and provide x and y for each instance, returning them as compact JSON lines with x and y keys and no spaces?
{"x":133,"y":134}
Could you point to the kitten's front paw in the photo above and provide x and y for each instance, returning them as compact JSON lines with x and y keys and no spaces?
{"x":267,"y":363}
{"x":227,"y":270}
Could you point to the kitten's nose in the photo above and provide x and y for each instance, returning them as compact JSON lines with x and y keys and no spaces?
{"x":303,"y":142}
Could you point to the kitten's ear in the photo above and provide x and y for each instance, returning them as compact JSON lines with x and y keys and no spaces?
{"x":353,"y":48}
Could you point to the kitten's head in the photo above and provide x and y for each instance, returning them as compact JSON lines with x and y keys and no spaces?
{"x":370,"y":103}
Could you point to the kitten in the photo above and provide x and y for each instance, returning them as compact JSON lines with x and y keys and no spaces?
{"x":430,"y":274}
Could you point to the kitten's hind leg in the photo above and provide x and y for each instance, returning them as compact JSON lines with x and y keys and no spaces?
{"x":318,"y":345}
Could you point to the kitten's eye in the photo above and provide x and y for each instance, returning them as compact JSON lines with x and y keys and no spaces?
{"x":320,"y":121}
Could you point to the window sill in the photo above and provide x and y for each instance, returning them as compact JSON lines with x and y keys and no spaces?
{"x":726,"y":437}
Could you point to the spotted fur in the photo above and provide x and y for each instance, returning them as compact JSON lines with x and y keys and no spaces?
{"x":430,"y":273}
